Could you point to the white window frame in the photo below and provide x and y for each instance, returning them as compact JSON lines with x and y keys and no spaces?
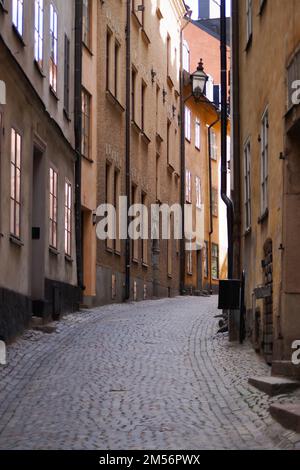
{"x":53,"y":207}
{"x":190,"y":262}
{"x":265,"y":162}
{"x":249,"y":19}
{"x":247,"y":184}
{"x":18,"y":15}
{"x":197,"y":134}
{"x":39,"y":32}
{"x":15,"y":183}
{"x":53,"y":46}
{"x":187,"y":120}
{"x":188,"y":186}
{"x":68,"y":217}
{"x":186,"y":56}
{"x":213,"y":145}
{"x":198,"y":193}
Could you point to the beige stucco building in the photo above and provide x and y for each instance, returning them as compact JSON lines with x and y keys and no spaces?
{"x":37,"y":146}
{"x":266,"y":171}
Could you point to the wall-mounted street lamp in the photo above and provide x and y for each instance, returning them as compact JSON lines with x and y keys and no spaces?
{"x":199,"y":80}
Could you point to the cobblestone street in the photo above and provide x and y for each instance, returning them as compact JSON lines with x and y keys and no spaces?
{"x":152,"y":375}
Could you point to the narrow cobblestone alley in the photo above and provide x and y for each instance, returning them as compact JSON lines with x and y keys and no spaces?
{"x":150,"y":375}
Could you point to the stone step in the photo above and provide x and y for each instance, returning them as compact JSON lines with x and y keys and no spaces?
{"x":287,"y":415}
{"x":274,"y":385}
{"x":286,"y":369}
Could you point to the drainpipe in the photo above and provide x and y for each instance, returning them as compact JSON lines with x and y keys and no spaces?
{"x":128,"y":145}
{"x":211,"y":228}
{"x":78,"y":135}
{"x":236,"y":138}
{"x":224,"y":125}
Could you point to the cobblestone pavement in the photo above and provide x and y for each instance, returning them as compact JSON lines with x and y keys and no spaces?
{"x":152,"y":375}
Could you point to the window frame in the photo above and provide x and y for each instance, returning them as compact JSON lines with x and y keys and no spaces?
{"x":197,"y":134}
{"x":264,"y":152}
{"x":187,"y":123}
{"x":86,"y":104}
{"x":68,"y":195}
{"x":53,"y":208}
{"x":247,"y":184}
{"x":215,"y":258}
{"x":17,"y":11}
{"x":39,"y":32}
{"x":53,"y":62}
{"x":86,"y":25}
{"x":15,"y":190}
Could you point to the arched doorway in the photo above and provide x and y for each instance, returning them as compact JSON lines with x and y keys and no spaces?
{"x":268,"y":302}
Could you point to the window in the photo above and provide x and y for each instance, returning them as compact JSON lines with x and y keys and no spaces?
{"x":39,"y":32}
{"x":209,"y":88}
{"x":215,"y":202}
{"x":262,"y":4}
{"x":86,"y":121}
{"x":134,"y":243}
{"x":197,"y":134}
{"x":133,"y":85}
{"x":198,"y":193}
{"x":170,"y":244}
{"x":53,"y":208}
{"x":206,"y":263}
{"x":67,"y":76}
{"x":190,"y":262}
{"x":108,"y":45}
{"x":117,"y":57}
{"x":187,"y":124}
{"x":109,"y":199}
{"x":247,"y":184}
{"x":17,"y":15}
{"x":169,"y":141}
{"x":213,"y":145}
{"x":144,"y":230}
{"x":186,"y":56}
{"x":143,"y":103}
{"x":249,"y":19}
{"x":264,"y":161}
{"x":168,"y":55}
{"x":15,"y":184}
{"x":53,"y":48}
{"x":68,"y":218}
{"x":188,"y":186}
{"x":86,"y":22}
{"x":117,"y":244}
{"x":215,"y":261}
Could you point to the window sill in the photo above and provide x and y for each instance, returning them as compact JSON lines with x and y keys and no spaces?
{"x":18,"y":35}
{"x":69,"y":259}
{"x":262,"y":7}
{"x":87,"y":159}
{"x":170,"y":81}
{"x":135,"y":261}
{"x":249,"y":43}
{"x":67,"y":115}
{"x":39,"y":69}
{"x":145,"y":265}
{"x":171,"y":169}
{"x":159,"y":138}
{"x":136,"y":127}
{"x":137,"y":21}
{"x":145,"y":37}
{"x":16,"y":241}
{"x":87,"y":48}
{"x":53,"y":251}
{"x":170,"y":276}
{"x":264,"y":217}
{"x":188,"y":140}
{"x":113,"y":100}
{"x":2,"y":8}
{"x":145,"y":138}
{"x":247,"y":232}
{"x":198,"y":148}
{"x":53,"y":93}
{"x":159,"y":13}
